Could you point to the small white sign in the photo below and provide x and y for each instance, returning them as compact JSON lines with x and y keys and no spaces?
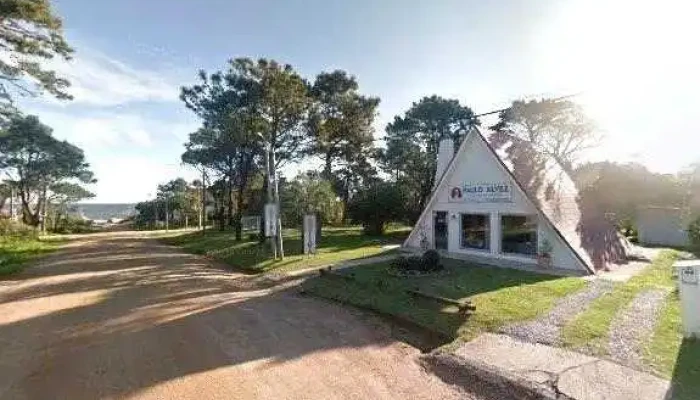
{"x":689,"y":275}
{"x":309,"y":234}
{"x":270,"y":219}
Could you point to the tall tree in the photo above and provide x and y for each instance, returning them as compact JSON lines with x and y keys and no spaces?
{"x":255,"y":105}
{"x":376,"y":205}
{"x":61,"y":196}
{"x":36,"y":161}
{"x":553,"y":128}
{"x":310,"y":193}
{"x":340,"y":120}
{"x":340,"y":123}
{"x":280,"y":99}
{"x":412,"y":141}
{"x":30,"y":32}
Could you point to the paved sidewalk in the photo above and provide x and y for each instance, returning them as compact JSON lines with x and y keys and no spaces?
{"x":557,"y":373}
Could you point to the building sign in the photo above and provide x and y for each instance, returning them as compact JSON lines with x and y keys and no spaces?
{"x":481,"y":192}
{"x":689,"y":275}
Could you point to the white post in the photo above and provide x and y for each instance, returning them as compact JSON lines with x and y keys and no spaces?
{"x":268,"y":169}
{"x":280,"y":241}
{"x":689,"y":291}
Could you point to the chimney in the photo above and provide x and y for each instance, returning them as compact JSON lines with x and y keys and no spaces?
{"x":446,"y":150}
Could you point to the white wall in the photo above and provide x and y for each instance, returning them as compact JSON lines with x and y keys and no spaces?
{"x":478,"y":164}
{"x":662,"y":226}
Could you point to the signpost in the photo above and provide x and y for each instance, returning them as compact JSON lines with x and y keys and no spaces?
{"x":309,"y":234}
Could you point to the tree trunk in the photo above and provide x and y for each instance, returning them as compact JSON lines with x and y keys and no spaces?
{"x":42,"y":210}
{"x":238,"y":226}
{"x":328,"y":167}
{"x":261,"y":233}
{"x":229,"y":206}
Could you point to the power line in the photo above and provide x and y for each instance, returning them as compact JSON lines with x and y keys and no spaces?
{"x":568,"y":96}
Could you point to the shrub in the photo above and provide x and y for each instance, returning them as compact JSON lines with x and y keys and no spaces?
{"x":405,"y":264}
{"x":10,"y":228}
{"x":74,"y":225}
{"x":694,"y":233}
{"x":376,"y":205}
{"x":430,"y":261}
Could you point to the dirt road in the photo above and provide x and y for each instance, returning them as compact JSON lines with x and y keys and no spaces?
{"x":126,"y":317}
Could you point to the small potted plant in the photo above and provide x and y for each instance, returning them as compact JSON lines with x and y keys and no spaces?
{"x":544,"y":255}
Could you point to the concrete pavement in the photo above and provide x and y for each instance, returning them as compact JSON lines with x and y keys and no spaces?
{"x":534,"y":371}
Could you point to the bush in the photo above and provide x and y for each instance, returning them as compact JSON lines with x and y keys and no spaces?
{"x":431,"y":261}
{"x":10,"y":228}
{"x":377,"y":205}
{"x":428,"y":262}
{"x":694,"y":233}
{"x":405,"y":264}
{"x":74,"y":225}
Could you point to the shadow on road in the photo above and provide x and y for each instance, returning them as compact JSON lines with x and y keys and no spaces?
{"x":119,"y":316}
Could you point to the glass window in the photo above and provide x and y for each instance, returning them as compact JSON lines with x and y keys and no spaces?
{"x":519,"y":234}
{"x":475,"y":231}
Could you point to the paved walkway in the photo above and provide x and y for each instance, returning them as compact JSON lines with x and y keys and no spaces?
{"x":122,"y":316}
{"x":555,"y":372}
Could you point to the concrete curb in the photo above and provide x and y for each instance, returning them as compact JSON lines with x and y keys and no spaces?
{"x":476,"y":376}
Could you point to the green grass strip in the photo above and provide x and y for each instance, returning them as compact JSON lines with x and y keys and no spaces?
{"x":16,"y":253}
{"x":590,"y":328}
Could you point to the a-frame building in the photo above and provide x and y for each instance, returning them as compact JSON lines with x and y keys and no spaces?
{"x":488,"y":210}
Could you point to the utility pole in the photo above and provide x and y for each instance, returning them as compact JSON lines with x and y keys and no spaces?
{"x":268,"y":168}
{"x":166,"y":212}
{"x":280,"y":241}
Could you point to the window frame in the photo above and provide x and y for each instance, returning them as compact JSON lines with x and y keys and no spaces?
{"x":489,"y":243}
{"x":501,"y":236}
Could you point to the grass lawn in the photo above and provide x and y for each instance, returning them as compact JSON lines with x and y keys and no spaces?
{"x":674,"y":357}
{"x":16,"y":253}
{"x":667,"y":352}
{"x":590,"y":328}
{"x":337,"y":244}
{"x":501,"y":296}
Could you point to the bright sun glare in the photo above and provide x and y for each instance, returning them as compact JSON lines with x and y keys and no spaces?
{"x":637,"y":65}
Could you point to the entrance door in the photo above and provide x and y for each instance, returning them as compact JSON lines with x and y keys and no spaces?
{"x":440,"y":229}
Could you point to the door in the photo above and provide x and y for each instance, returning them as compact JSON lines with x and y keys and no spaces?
{"x":440,"y":229}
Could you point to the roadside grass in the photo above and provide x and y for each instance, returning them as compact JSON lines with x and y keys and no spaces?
{"x":336,"y":245}
{"x":501,"y":295}
{"x":671,"y":355}
{"x":590,"y":328}
{"x":15,"y":253}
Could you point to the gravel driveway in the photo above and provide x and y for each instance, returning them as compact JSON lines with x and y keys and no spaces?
{"x":125,"y":317}
{"x":547,"y":328}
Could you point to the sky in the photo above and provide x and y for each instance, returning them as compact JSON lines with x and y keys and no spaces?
{"x":632,"y":63}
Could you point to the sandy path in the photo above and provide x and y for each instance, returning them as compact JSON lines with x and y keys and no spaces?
{"x":125,"y":317}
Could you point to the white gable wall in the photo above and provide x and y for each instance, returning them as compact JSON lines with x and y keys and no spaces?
{"x":662,"y":226}
{"x":477,"y":163}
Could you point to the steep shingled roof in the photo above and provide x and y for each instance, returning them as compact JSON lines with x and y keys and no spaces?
{"x":573,"y":215}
